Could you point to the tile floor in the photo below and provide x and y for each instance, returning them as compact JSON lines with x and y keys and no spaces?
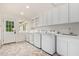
{"x":21,"y":49}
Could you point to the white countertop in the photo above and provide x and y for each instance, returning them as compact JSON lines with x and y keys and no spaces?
{"x":69,"y":36}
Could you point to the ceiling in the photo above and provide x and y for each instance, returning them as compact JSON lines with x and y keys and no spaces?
{"x":14,"y":9}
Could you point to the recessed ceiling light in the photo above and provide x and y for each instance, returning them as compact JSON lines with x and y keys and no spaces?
{"x":27,"y":7}
{"x":21,"y":13}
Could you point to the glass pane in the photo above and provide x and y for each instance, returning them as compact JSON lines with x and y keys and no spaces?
{"x":9,"y":26}
{"x":7,"y":29}
{"x":12,"y":24}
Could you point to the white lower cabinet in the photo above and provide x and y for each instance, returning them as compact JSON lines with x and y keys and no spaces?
{"x":31,"y":38}
{"x":48,"y":43}
{"x":34,"y":38}
{"x":37,"y":40}
{"x":67,"y":45}
{"x":62,"y":45}
{"x":27,"y":37}
{"x":8,"y":38}
{"x":73,"y":47}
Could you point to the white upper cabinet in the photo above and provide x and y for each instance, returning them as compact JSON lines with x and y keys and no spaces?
{"x":40,"y":20}
{"x":44,"y":19}
{"x":35,"y":22}
{"x":50,"y":17}
{"x":55,"y":15}
{"x":62,"y":13}
{"x":59,"y":14}
{"x":73,"y":12}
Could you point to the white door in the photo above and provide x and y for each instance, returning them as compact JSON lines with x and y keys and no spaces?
{"x":20,"y":35}
{"x":37,"y":40}
{"x":48,"y":43}
{"x":8,"y":33}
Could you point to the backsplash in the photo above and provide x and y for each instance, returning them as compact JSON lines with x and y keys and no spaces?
{"x":75,"y":28}
{"x":62,"y":28}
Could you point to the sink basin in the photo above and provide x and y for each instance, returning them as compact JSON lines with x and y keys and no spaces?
{"x":71,"y":34}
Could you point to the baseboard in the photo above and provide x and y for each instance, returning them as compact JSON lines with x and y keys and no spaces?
{"x":8,"y":43}
{"x":13,"y":42}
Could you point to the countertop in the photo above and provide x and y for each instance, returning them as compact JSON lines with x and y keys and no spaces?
{"x":69,"y":36}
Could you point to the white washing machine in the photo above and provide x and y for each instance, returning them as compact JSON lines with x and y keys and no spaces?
{"x":48,"y":43}
{"x":37,"y":40}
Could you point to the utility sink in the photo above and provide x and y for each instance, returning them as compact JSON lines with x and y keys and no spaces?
{"x":70,"y":34}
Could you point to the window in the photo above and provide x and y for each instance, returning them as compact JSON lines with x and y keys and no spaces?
{"x":9,"y":26}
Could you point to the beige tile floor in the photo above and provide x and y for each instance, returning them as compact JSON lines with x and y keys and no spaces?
{"x":21,"y":49}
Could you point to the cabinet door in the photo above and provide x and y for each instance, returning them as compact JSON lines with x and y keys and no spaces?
{"x":44,"y":19}
{"x":62,"y":45}
{"x":63,"y":13}
{"x":31,"y":39}
{"x":37,"y":21}
{"x":74,"y":12}
{"x":27,"y":37}
{"x":55,"y":15}
{"x":50,"y":17}
{"x":73,"y":47}
{"x":33,"y":23}
{"x":40,"y":20}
